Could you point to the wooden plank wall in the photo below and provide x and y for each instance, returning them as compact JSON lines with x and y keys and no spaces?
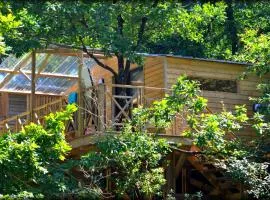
{"x":154,"y":77}
{"x":3,"y":105}
{"x":45,"y":99}
{"x":216,"y":70}
{"x":17,"y":104}
{"x":13,"y":104}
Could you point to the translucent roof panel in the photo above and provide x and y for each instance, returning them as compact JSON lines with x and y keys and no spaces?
{"x":10,"y":62}
{"x":89,"y":63}
{"x":2,"y":76}
{"x":54,"y":85}
{"x":40,"y":58}
{"x":18,"y":83}
{"x":55,"y":73}
{"x":67,"y":65}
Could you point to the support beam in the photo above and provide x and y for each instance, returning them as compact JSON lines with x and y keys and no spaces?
{"x":179,"y":164}
{"x":29,"y":92}
{"x":71,"y":52}
{"x":80,"y":98}
{"x":4,"y":105}
{"x":26,"y":76}
{"x":43,"y":64}
{"x":197,"y":164}
{"x":42,"y":74}
{"x":33,"y":85}
{"x":101,"y":107}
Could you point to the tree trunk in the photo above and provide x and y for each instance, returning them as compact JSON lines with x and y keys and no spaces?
{"x":231,"y":26}
{"x":122,"y":78}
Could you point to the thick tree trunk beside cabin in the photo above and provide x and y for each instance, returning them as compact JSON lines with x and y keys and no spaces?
{"x":122,"y":78}
{"x":231,"y":26}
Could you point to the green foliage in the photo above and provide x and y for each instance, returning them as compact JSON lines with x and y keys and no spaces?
{"x":184,"y":97}
{"x":196,"y":196}
{"x":30,"y":161}
{"x":194,"y":30}
{"x":209,"y":130}
{"x":134,"y":159}
{"x":252,"y":174}
{"x":256,"y":51}
{"x":212,"y":133}
{"x":8,"y":25}
{"x":96,"y":24}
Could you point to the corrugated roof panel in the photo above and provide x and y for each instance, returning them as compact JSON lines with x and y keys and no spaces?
{"x":62,"y":65}
{"x":56,"y":64}
{"x":18,"y":83}
{"x":2,"y":76}
{"x":69,"y":66}
{"x":9,"y":62}
{"x":53,"y":85}
{"x":40,"y":57}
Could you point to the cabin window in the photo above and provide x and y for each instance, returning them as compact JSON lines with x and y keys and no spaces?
{"x":217,"y":85}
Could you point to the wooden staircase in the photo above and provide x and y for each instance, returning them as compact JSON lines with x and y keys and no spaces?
{"x":188,"y":173}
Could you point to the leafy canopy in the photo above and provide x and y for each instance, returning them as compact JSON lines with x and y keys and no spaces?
{"x":8,"y":25}
{"x":134,"y":160}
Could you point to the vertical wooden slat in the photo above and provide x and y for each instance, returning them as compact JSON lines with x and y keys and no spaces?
{"x":80,"y":97}
{"x":101,"y":109}
{"x":4,"y":105}
{"x":165,"y":71}
{"x":184,"y":180}
{"x":33,"y":85}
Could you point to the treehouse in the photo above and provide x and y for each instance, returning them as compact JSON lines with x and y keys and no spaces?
{"x":46,"y":80}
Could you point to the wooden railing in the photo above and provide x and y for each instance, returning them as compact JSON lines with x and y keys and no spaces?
{"x":106,"y":108}
{"x":143,"y":96}
{"x":16,"y":123}
{"x":100,"y":108}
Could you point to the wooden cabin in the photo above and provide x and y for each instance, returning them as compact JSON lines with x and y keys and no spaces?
{"x":59,"y":72}
{"x":220,"y":80}
{"x":41,"y":81}
{"x":220,"y":83}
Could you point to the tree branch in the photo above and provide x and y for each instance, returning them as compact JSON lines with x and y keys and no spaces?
{"x":120,"y":22}
{"x":91,"y":55}
{"x":141,"y":32}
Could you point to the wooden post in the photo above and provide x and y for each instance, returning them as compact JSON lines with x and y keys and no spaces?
{"x":33,"y":86}
{"x":173,"y":172}
{"x":101,"y":110}
{"x":4,"y":106}
{"x":170,"y":175}
{"x":184,"y":180}
{"x":80,"y":97}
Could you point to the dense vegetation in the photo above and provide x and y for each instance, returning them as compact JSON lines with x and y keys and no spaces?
{"x":232,"y":30}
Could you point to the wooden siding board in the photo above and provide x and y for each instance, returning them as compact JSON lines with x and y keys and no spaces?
{"x":17,"y":104}
{"x":3,"y":105}
{"x":153,"y":77}
{"x":222,"y":71}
